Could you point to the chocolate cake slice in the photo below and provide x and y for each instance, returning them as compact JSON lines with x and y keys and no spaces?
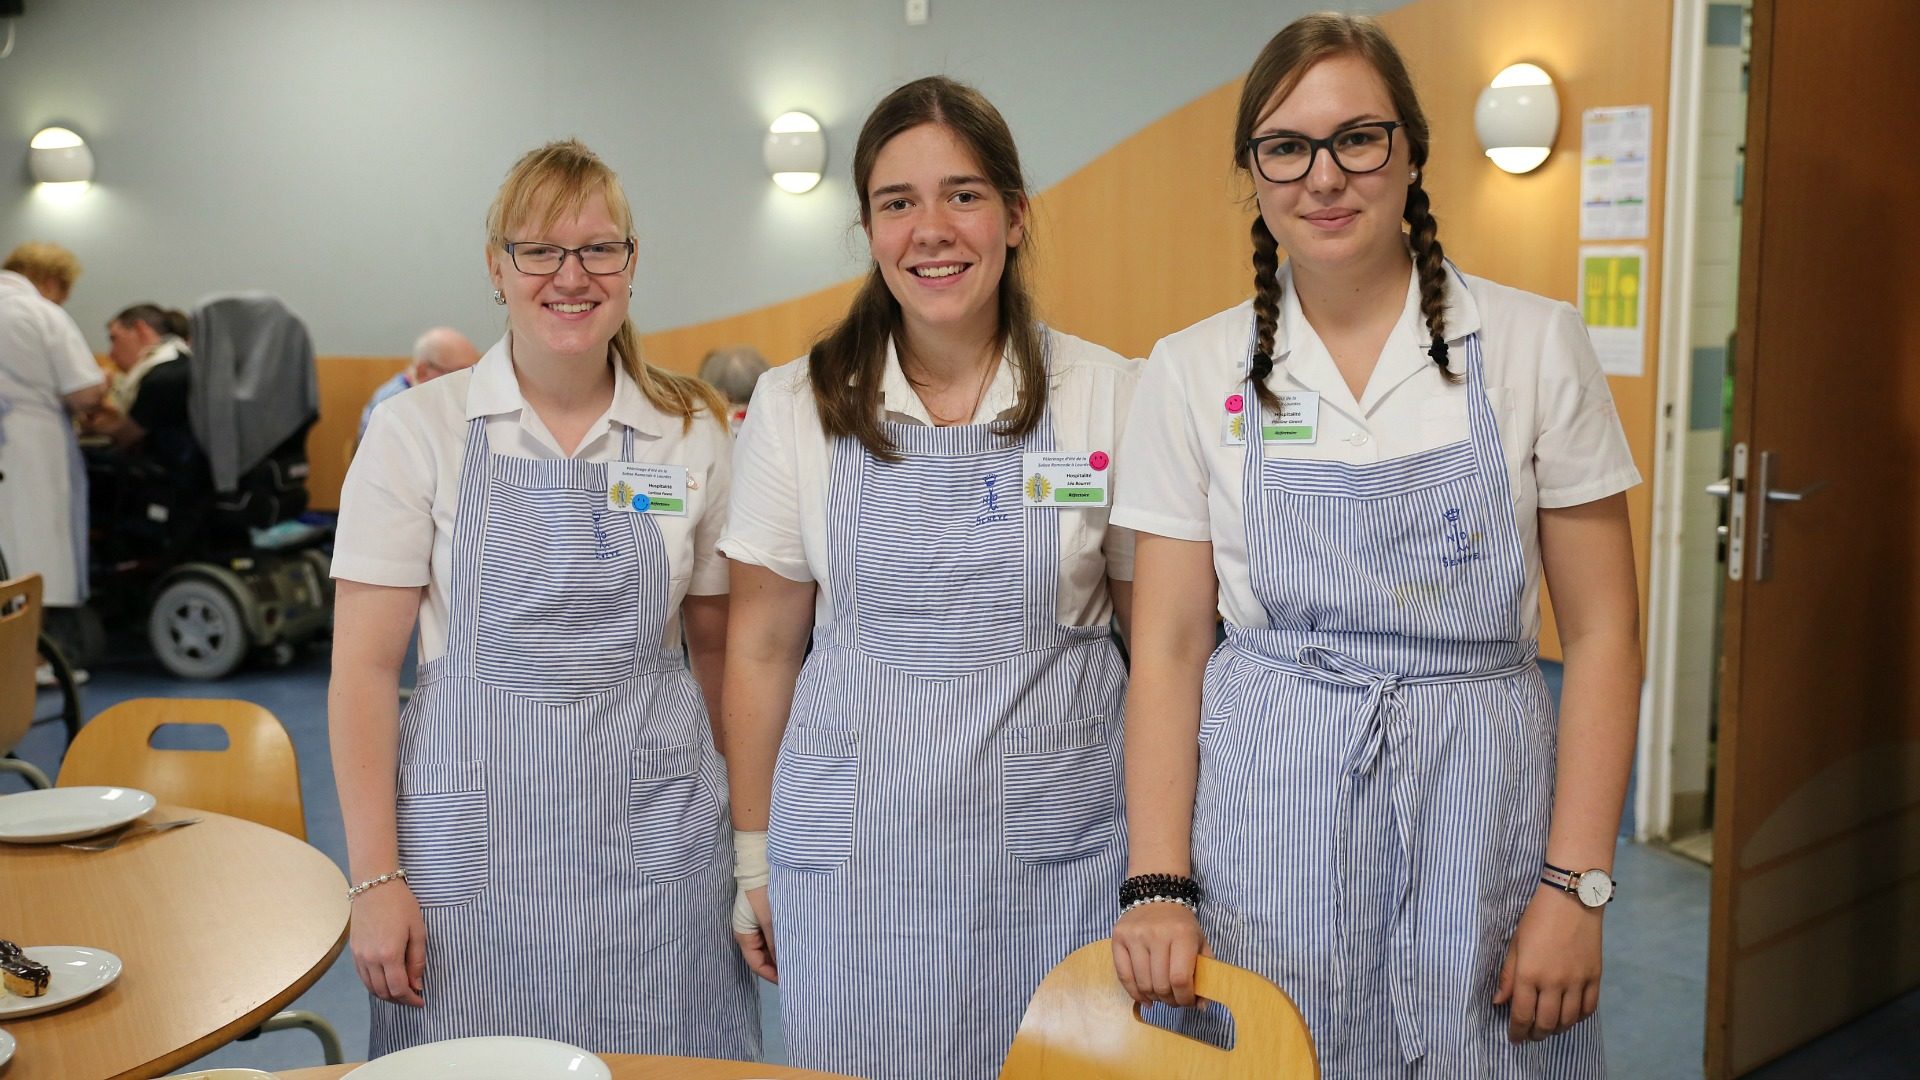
{"x":21,"y":975}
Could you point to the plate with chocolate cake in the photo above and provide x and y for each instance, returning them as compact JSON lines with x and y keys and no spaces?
{"x":41,"y":978}
{"x":55,"y":814}
{"x":6,"y":1048}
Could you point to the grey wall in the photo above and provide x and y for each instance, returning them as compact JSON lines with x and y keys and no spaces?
{"x":342,"y":153}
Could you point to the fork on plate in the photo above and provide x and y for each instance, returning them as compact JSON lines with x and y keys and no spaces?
{"x":138,"y":828}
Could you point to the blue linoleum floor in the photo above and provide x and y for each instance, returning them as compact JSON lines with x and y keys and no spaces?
{"x":1653,"y":1003}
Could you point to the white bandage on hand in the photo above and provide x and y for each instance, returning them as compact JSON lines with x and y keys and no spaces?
{"x":749,"y":872}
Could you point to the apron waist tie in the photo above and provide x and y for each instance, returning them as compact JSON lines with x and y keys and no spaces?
{"x":1380,"y":713}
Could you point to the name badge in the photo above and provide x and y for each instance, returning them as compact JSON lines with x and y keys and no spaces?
{"x":644,"y":488}
{"x":1294,"y":418}
{"x":1066,"y":479}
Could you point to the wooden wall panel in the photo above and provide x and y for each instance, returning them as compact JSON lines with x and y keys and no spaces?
{"x":1151,"y":236}
{"x":346,"y":382}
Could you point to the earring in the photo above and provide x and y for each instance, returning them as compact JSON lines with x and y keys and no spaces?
{"x":499,"y":297}
{"x":629,"y":292}
{"x":1413,"y":177}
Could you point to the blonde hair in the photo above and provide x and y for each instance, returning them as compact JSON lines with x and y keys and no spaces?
{"x":555,"y":182}
{"x":37,"y":260}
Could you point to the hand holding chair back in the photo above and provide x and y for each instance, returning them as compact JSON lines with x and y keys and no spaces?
{"x":1081,"y":1025}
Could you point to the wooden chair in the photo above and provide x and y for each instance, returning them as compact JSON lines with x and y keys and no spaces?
{"x":20,"y":616}
{"x":257,"y":777}
{"x":1081,"y":1025}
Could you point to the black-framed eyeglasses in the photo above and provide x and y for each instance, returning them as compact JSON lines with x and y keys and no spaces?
{"x":1357,"y":148}
{"x":544,"y":260}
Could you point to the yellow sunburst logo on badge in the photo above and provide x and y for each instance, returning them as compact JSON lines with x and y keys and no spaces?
{"x":1038,"y":488}
{"x":621,"y":494}
{"x":1237,"y":425}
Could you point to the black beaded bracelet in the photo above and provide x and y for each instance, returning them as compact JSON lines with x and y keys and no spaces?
{"x":1173,"y":887}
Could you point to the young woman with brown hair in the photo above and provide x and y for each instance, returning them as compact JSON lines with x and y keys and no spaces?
{"x":926,"y":492}
{"x":1364,"y":794}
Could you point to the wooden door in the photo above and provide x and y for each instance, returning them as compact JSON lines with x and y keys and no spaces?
{"x":1816,"y":872}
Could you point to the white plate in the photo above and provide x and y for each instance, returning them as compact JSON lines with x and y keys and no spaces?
{"x":68,"y":813}
{"x":77,"y":972}
{"x":492,"y":1058}
{"x":6,"y":1048}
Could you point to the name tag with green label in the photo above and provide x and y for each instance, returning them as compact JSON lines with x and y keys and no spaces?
{"x":1066,"y":479}
{"x":644,"y":488}
{"x":1294,"y":418}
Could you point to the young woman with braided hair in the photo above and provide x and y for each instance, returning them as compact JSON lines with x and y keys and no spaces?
{"x":1365,"y":793}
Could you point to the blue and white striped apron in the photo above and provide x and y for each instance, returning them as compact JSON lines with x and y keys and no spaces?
{"x":946,"y":821}
{"x":560,"y":799}
{"x":1377,"y":762}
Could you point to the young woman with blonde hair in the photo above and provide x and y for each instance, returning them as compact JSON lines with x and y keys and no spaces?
{"x":1365,"y":794}
{"x":539,"y":839}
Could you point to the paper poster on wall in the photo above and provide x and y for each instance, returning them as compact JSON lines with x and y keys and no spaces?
{"x":1615,"y":145}
{"x":1613,"y":303}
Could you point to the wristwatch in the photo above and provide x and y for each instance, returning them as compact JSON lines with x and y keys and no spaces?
{"x":1594,"y":888}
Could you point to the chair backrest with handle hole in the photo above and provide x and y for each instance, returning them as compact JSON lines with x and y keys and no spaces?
{"x":1081,"y":1025}
{"x":257,"y":776}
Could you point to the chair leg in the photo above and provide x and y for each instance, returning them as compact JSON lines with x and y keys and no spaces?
{"x":312,"y":1021}
{"x":69,"y":690}
{"x":32,"y":774}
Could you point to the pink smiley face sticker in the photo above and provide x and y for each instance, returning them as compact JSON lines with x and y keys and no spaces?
{"x":1235,"y":403}
{"x":1098,"y":460}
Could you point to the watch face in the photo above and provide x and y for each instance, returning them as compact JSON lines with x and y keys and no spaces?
{"x":1595,"y":888}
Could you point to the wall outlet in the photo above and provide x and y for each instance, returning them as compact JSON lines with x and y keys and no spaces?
{"x":918,"y":11}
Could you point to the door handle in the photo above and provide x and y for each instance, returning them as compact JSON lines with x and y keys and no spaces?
{"x":1767,"y":497}
{"x":1733,"y":488}
{"x":1721,"y":488}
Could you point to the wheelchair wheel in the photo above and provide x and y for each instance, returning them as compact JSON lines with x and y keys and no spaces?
{"x":196,"y":629}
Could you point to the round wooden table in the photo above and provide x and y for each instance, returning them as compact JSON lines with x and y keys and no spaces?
{"x":218,"y":926}
{"x":637,"y":1067}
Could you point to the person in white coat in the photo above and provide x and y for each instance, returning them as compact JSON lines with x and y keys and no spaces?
{"x":47,"y":376}
{"x":539,"y":840}
{"x":1366,"y":794}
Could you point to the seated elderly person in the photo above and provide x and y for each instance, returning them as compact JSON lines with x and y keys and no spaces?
{"x":439,"y":351}
{"x":733,"y":371}
{"x":147,"y":344}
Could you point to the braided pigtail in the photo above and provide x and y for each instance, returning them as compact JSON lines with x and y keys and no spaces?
{"x":1266,"y":306}
{"x":1430,"y":262}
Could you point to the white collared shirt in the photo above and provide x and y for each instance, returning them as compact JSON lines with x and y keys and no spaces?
{"x":783,"y":469}
{"x":401,"y":497}
{"x":1558,"y":428}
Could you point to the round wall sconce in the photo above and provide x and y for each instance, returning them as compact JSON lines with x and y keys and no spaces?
{"x":58,"y":156}
{"x":1517,"y":118}
{"x":795,"y":152}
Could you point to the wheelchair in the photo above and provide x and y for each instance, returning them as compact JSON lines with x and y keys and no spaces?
{"x":216,"y":577}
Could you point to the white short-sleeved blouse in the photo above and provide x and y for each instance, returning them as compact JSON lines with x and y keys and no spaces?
{"x":1562,"y":438}
{"x":783,"y":464}
{"x":402,"y":493}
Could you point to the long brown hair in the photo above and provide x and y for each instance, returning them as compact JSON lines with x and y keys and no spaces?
{"x":1278,"y":69}
{"x":847,"y":364}
{"x":557,"y":181}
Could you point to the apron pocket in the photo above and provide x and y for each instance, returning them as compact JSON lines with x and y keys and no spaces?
{"x":673,"y":817}
{"x":440,"y":821}
{"x":1059,"y":787}
{"x":810,"y":825}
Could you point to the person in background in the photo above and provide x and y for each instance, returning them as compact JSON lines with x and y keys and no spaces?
{"x":440,"y":351}
{"x":934,"y":790}
{"x":733,"y":371}
{"x":1366,"y":794}
{"x":540,"y":839}
{"x":47,"y":377}
{"x":147,"y":344}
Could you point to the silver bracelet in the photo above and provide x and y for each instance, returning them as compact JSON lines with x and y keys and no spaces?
{"x":1145,"y":900}
{"x":397,"y":875}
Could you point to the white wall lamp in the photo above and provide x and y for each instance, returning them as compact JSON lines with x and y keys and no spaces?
{"x":1517,"y":118}
{"x":795,"y":152}
{"x":58,"y":156}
